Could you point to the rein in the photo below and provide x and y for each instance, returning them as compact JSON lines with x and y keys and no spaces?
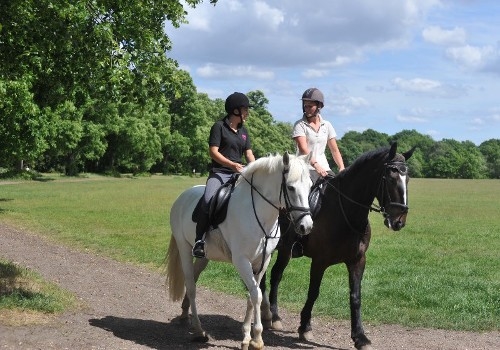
{"x":288,"y":206}
{"x":402,"y":168}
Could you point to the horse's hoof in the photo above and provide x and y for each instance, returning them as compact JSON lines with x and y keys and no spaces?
{"x":256,"y":345}
{"x":200,"y":338}
{"x":244,"y":346}
{"x":277,"y":325}
{"x":307,"y":336}
{"x":366,"y":347}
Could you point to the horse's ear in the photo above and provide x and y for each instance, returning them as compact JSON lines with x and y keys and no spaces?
{"x":286,"y":159}
{"x":392,"y":151}
{"x":409,"y":153}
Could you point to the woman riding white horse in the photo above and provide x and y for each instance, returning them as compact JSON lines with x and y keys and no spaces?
{"x":246,"y":238}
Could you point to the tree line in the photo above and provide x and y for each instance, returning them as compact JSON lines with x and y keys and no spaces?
{"x":87,"y":86}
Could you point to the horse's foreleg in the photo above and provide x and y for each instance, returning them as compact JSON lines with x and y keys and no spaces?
{"x":361,"y":342}
{"x":279,"y":266}
{"x":315,"y":276}
{"x":247,"y":325}
{"x":251,"y":341}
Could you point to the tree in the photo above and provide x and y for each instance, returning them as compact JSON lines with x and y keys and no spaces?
{"x":268,"y":136}
{"x":452,"y":159}
{"x":490,"y":149}
{"x":411,"y":138}
{"x":83,"y":65}
{"x":353,"y":143}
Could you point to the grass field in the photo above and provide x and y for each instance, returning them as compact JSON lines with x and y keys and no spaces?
{"x":441,"y":271}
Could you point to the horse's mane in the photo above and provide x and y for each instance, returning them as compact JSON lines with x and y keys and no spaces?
{"x":363,"y":159}
{"x":273,"y":163}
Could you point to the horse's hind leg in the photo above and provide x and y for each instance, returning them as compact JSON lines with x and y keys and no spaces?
{"x":199,"y":266}
{"x":189,"y":280}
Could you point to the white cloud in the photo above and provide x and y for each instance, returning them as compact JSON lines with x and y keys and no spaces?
{"x":419,"y":85}
{"x":268,"y":15}
{"x":430,"y":88}
{"x":410,"y":118}
{"x":314,"y":73}
{"x":233,"y":72}
{"x":439,"y":36}
{"x":472,"y":56}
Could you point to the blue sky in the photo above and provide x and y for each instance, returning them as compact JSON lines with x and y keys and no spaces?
{"x":428,"y":65}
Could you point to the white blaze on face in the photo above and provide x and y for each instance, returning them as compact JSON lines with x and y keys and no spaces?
{"x":403,"y":181}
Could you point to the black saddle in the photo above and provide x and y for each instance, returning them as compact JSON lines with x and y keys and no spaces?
{"x":316,"y":195}
{"x":218,"y":204}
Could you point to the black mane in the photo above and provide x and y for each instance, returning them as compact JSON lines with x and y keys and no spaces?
{"x":363,"y":159}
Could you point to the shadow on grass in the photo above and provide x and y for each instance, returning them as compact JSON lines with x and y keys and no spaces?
{"x":175,"y":335}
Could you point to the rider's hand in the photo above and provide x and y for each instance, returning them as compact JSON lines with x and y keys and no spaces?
{"x":237,"y":167}
{"x":319,"y":169}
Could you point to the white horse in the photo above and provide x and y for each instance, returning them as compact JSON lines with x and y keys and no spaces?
{"x":246,"y":238}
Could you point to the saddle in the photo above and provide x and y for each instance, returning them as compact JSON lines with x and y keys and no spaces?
{"x":316,"y":195}
{"x":218,"y":204}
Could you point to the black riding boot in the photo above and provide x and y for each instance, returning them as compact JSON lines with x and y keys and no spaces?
{"x":199,"y":242}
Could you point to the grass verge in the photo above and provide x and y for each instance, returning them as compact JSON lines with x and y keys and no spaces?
{"x":26,"y":298}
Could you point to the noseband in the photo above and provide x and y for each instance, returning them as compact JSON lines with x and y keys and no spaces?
{"x":288,"y":205}
{"x":402,"y":169}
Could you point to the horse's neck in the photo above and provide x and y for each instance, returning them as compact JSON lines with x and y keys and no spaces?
{"x":262,"y":200}
{"x":358,"y":187}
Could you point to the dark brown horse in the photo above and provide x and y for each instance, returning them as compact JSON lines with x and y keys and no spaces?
{"x":341,"y":232}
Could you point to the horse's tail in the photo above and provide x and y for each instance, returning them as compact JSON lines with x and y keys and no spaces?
{"x":175,"y":276}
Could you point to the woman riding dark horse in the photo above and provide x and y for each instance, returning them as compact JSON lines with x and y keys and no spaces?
{"x":341,"y":231}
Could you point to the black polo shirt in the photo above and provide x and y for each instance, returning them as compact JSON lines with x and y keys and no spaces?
{"x":232,"y":145}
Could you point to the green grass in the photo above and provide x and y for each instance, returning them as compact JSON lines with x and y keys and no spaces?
{"x":441,"y":271}
{"x":23,"y":289}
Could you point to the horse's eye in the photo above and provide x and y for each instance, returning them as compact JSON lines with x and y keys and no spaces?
{"x":290,"y":188}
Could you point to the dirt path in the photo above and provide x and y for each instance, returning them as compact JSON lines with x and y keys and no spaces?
{"x":126,"y":307}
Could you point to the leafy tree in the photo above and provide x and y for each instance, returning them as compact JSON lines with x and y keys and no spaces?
{"x":411,"y":138}
{"x":83,"y":65}
{"x":452,"y":159}
{"x":23,"y":127}
{"x":268,"y":136}
{"x":353,"y":143}
{"x":490,"y":149}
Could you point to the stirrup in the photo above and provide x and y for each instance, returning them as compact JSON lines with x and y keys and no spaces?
{"x":199,"y":249}
{"x":297,"y":250}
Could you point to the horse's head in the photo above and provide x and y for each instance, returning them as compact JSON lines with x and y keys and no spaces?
{"x":296,"y":186}
{"x":393,"y":192}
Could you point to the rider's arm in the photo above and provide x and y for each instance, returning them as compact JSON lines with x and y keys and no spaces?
{"x":219,"y":158}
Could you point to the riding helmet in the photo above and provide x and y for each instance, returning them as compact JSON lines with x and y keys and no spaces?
{"x":236,"y":100}
{"x":314,"y":94}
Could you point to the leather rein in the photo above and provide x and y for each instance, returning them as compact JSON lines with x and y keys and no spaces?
{"x":288,"y":207}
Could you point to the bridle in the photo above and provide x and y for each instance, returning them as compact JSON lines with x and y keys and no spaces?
{"x":402,"y":169}
{"x":289,"y":208}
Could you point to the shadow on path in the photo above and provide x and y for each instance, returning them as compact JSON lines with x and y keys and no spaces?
{"x":175,"y":335}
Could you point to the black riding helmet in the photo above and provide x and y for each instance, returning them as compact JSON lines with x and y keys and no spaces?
{"x":236,"y":100}
{"x":313,"y":94}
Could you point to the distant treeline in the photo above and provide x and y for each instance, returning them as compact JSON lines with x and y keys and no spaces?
{"x":87,"y":86}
